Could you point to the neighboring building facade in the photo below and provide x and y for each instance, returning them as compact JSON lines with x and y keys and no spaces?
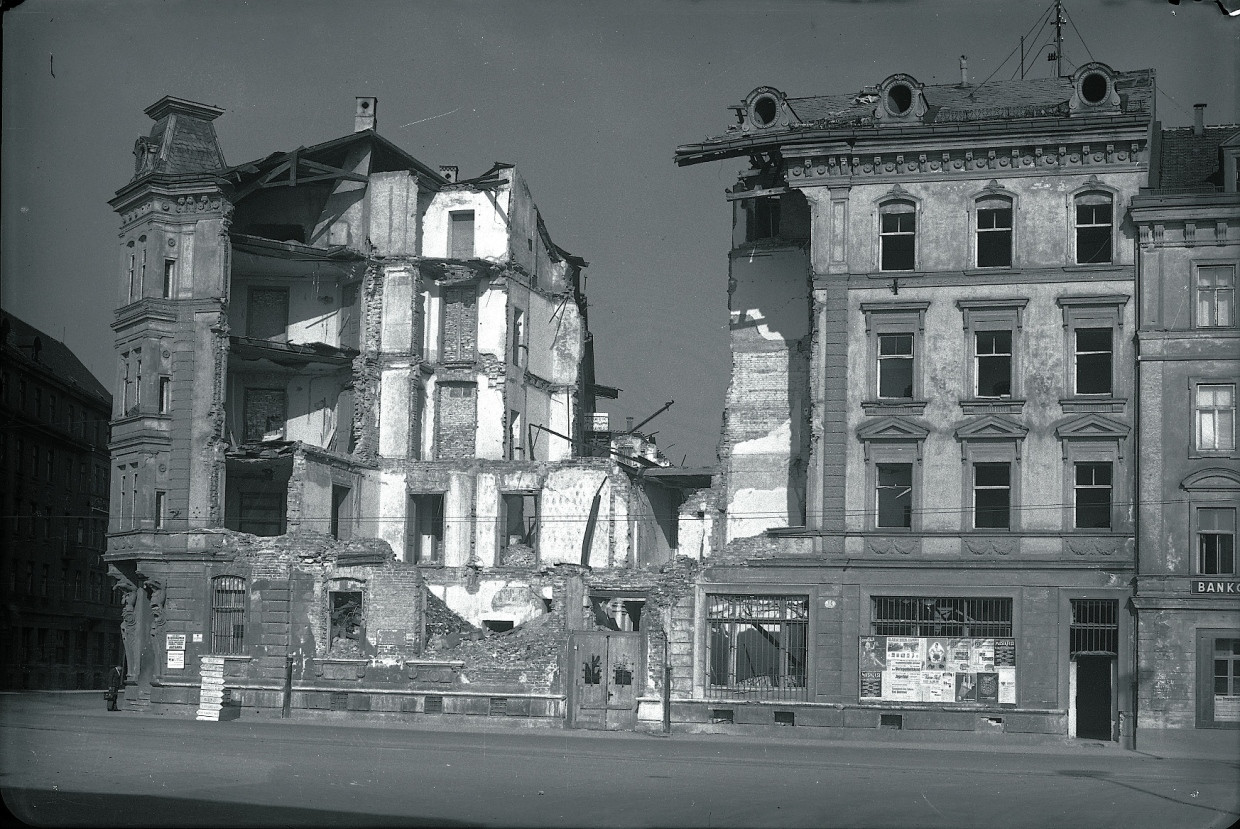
{"x":328,"y":356}
{"x":61,"y":619}
{"x":1188,"y":467}
{"x":929,"y":428}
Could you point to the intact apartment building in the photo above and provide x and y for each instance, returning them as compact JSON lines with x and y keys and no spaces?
{"x":929,"y":437}
{"x":1188,"y":469}
{"x":355,"y":401}
{"x":60,"y":622}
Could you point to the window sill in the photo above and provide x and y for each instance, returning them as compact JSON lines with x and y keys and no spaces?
{"x":987,"y":405}
{"x":893,"y":407}
{"x":1093,"y":266}
{"x":1093,"y":404}
{"x":1209,"y":454}
{"x":997,"y":269}
{"x":897,"y":274}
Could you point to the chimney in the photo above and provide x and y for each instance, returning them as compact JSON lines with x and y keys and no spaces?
{"x":1199,"y":119}
{"x":449,"y":172}
{"x":628,"y":424}
{"x":964,"y":71}
{"x":365,"y":118}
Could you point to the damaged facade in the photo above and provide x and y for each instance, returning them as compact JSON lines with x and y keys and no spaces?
{"x":352,"y":434}
{"x":928,"y":448}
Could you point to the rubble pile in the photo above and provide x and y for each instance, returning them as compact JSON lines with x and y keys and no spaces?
{"x":442,"y":621}
{"x":537,"y":642}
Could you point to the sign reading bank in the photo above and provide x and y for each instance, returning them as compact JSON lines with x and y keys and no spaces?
{"x":1226,"y":587}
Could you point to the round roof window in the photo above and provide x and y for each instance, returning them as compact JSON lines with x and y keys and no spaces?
{"x":1095,"y":88}
{"x":764,"y":110}
{"x":899,"y":99}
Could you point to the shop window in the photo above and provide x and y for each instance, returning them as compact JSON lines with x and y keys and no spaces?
{"x":1216,"y":296}
{"x":934,"y":616}
{"x":992,"y":496}
{"x":757,"y":646}
{"x":228,"y":604}
{"x":1092,"y":489}
{"x":894,"y":495}
{"x":1216,"y":541}
{"x":1094,"y":228}
{"x":994,"y":232}
{"x":425,"y":535}
{"x":461,"y":234}
{"x":1215,"y":415}
{"x":897,"y":235}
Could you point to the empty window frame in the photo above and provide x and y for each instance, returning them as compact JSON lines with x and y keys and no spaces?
{"x":761,"y":217}
{"x":1215,"y":416}
{"x":426,"y":524}
{"x":461,"y":234}
{"x":933,"y":616}
{"x":346,"y":620}
{"x":265,"y":413}
{"x":893,"y":495}
{"x":895,"y":366}
{"x":1092,"y":492}
{"x":1094,"y":228}
{"x":1216,"y":296}
{"x":266,"y":315}
{"x":1093,"y":360}
{"x":1216,"y":541}
{"x":992,"y":496}
{"x":992,"y":368}
{"x":619,"y":613}
{"x":994,"y":232}
{"x":228,"y":605}
{"x":897,"y":236}
{"x":342,"y":512}
{"x":165,"y":394}
{"x":757,"y":646}
{"x":170,"y":275}
{"x":519,"y":519}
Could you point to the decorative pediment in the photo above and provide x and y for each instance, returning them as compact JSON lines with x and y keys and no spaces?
{"x":1215,"y":479}
{"x":991,"y":427}
{"x":1092,"y":427}
{"x":892,"y":428}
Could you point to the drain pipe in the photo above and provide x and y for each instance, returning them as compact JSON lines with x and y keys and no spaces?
{"x":667,"y":689}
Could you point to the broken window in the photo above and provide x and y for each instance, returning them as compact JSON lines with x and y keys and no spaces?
{"x":461,"y":234}
{"x":757,"y":646}
{"x":894,"y":485}
{"x":897,"y":236}
{"x":425,"y":535}
{"x":347,"y":624}
{"x":519,"y":519}
{"x":265,"y":414}
{"x":1093,"y":228}
{"x":762,"y":215}
{"x":618,"y":613}
{"x":266,"y":316}
{"x":228,"y":594}
{"x":1093,"y":360}
{"x":342,"y":512}
{"x":918,"y":616}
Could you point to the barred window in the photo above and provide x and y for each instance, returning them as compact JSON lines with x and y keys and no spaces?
{"x":757,"y":646}
{"x":228,"y":595}
{"x":1095,"y":627}
{"x":923,"y":616}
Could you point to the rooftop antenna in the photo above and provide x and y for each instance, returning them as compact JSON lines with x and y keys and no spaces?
{"x":1059,"y":38}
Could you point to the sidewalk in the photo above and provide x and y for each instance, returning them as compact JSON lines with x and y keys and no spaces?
{"x":1211,"y":745}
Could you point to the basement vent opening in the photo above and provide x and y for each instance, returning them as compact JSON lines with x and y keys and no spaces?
{"x":340,"y":701}
{"x":499,"y":707}
{"x":785,"y":718}
{"x":721,"y":715}
{"x":893,"y":721}
{"x":433,"y":705}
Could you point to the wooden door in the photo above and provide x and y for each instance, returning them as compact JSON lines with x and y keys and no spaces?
{"x":607,"y":671}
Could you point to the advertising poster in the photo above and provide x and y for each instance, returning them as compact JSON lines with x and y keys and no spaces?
{"x":873,"y":653}
{"x":988,"y":687}
{"x":958,"y":654}
{"x":936,"y":654}
{"x":1226,"y":709}
{"x":904,"y":653}
{"x":902,"y":686}
{"x":871,"y":684}
{"x":981,"y":655}
{"x":176,"y":659}
{"x":1005,"y":652}
{"x":938,"y":686}
{"x":1007,"y":685}
{"x":966,"y":687}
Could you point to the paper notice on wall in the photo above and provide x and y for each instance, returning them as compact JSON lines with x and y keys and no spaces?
{"x":987,"y":687}
{"x":1007,"y":685}
{"x":1227,"y":709}
{"x":982,"y":655}
{"x":958,"y":655}
{"x":175,"y":641}
{"x":902,"y":686}
{"x":938,"y":686}
{"x":904,"y":653}
{"x":176,"y":659}
{"x":1005,"y":652}
{"x":873,"y":653}
{"x":197,"y":637}
{"x":936,"y":654}
{"x":871,"y":684}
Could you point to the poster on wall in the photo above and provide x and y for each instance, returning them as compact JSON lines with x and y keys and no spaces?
{"x":1226,"y":709}
{"x":937,"y":669}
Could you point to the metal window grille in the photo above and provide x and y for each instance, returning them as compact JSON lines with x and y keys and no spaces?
{"x":228,"y":614}
{"x":1095,"y":627}
{"x":498,"y":707}
{"x":433,"y":705}
{"x":758,"y":646}
{"x":925,"y":616}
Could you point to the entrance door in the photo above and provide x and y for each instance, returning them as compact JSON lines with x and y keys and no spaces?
{"x":1093,"y":697}
{"x":607,"y":671}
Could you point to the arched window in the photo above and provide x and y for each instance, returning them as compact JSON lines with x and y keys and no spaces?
{"x":994,"y":232}
{"x":228,"y":600}
{"x":1094,"y":226}
{"x":897,"y":235}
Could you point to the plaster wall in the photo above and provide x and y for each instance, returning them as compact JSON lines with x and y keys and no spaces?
{"x":564,"y":507}
{"x":392,"y":208}
{"x":313,"y":307}
{"x":556,"y":337}
{"x":394,"y":404}
{"x":1167,"y":663}
{"x":393,"y":505}
{"x":491,"y":220}
{"x":492,"y":414}
{"x":311,"y":403}
{"x":396,"y":327}
{"x":497,"y":598}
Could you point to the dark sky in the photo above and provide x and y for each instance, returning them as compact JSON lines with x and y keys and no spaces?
{"x":589,"y":100}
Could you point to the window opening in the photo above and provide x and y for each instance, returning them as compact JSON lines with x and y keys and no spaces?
{"x":426,"y":528}
{"x":165,"y":395}
{"x":1216,"y":417}
{"x":228,"y":614}
{"x":1216,"y":541}
{"x":520,"y":521}
{"x":992,"y":495}
{"x":757,"y":646}
{"x":170,"y":266}
{"x":497,"y":625}
{"x":461,"y":234}
{"x":1216,"y":297}
{"x":894,"y":495}
{"x":895,"y":366}
{"x":897,"y":236}
{"x":341,"y":521}
{"x":1093,"y":360}
{"x":994,"y":363}
{"x":160,"y":509}
{"x":1226,"y":679}
{"x":1095,"y":627}
{"x":1092,"y":495}
{"x":618,"y":613}
{"x":994,"y":233}
{"x":763,"y":214}
{"x":347,"y":624}
{"x":924,"y":616}
{"x":1093,"y":229}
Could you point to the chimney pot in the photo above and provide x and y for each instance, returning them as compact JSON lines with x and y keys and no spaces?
{"x":628,"y":424}
{"x":366,"y":114}
{"x":1199,"y":119}
{"x":449,"y":172}
{"x":964,"y":71}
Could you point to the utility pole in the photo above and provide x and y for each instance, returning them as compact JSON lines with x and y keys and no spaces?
{"x":1058,"y":39}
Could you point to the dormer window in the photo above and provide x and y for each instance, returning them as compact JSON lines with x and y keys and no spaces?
{"x":897,"y":234}
{"x":899,"y":99}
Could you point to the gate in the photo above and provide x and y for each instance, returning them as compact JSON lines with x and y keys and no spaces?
{"x":607,"y":671}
